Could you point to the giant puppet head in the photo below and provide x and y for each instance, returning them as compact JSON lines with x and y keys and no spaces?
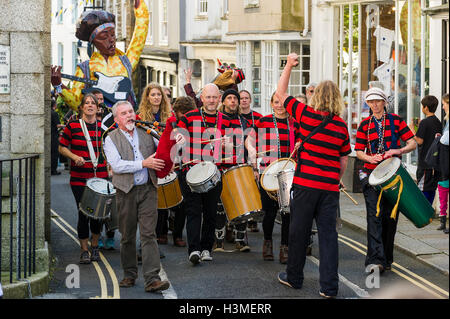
{"x":228,"y":76}
{"x":98,"y":28}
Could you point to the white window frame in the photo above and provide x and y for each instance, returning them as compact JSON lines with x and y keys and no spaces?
{"x":123,"y":9}
{"x":149,"y":39}
{"x":163,"y":38}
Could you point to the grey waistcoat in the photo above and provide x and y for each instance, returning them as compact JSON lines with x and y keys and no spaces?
{"x":125,"y":182}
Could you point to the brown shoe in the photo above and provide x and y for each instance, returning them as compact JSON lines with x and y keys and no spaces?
{"x":162,"y":240}
{"x":267,"y":250}
{"x":179,"y":242}
{"x":283,"y":254}
{"x":127,"y":282}
{"x":157,"y":285}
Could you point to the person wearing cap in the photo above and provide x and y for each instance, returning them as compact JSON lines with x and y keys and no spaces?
{"x":240,"y":126}
{"x":97,"y":27}
{"x":377,"y":138}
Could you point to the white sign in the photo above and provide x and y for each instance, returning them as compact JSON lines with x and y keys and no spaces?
{"x":5,"y":70}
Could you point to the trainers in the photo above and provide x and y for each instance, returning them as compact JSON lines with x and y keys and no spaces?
{"x":109,"y":245}
{"x":206,"y":256}
{"x":326,"y":296}
{"x":95,"y":254}
{"x":194,"y":257}
{"x":218,"y":245}
{"x":85,"y":258}
{"x":242,"y":246}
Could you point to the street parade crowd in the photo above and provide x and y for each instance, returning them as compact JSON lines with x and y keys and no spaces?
{"x":208,"y":164}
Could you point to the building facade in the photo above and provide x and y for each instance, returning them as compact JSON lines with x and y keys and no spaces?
{"x":203,"y":40}
{"x":265,"y":32}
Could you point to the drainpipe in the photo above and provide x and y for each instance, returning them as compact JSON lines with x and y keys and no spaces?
{"x":306,"y":11}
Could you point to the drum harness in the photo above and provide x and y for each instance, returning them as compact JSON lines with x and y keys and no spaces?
{"x":92,"y":153}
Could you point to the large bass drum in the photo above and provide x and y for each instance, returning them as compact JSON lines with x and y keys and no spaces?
{"x":99,"y":199}
{"x":202,"y":177}
{"x":240,"y":195}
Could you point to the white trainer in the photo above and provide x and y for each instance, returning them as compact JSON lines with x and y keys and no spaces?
{"x":194,"y":257}
{"x":206,"y":256}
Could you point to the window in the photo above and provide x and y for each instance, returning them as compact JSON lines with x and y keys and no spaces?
{"x":163,"y":25}
{"x":59,"y":12}
{"x":61,"y":55}
{"x":202,"y":7}
{"x":300,"y":76}
{"x":74,"y":11}
{"x":251,"y":4}
{"x":149,"y":39}
{"x":256,"y":73}
{"x":268,"y":75}
{"x":123,"y":10}
{"x":75,"y":59}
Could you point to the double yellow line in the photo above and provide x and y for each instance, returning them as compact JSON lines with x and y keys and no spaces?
{"x":408,"y":274}
{"x":103,"y":286}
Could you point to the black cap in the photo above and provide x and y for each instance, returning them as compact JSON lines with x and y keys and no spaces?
{"x":231,"y":91}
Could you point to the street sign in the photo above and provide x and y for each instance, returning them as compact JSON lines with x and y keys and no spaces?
{"x":5,"y":70}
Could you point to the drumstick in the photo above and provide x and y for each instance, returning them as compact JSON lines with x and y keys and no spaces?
{"x":190,"y":162}
{"x":213,"y":140}
{"x":289,"y":159}
{"x":348,"y":195}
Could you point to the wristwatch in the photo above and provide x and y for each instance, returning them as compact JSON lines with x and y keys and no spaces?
{"x":58,"y":88}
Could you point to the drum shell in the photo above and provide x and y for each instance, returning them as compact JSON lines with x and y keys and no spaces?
{"x":97,"y":206}
{"x":169,"y":194}
{"x":285,"y":179}
{"x":206,"y":185}
{"x":272,"y":191}
{"x":413,"y":203}
{"x":240,"y":194}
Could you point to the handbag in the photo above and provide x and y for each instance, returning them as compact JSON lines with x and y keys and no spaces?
{"x":432,"y":156}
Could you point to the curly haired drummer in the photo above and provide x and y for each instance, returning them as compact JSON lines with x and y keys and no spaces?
{"x":378,"y":137}
{"x":322,"y":160}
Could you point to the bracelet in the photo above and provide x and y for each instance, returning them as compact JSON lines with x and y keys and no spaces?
{"x":58,"y":88}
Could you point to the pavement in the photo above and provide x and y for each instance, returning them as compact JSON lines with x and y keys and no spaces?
{"x":426,"y":244}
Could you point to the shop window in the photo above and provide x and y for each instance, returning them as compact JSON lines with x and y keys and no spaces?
{"x":256,"y":73}
{"x":300,"y":75}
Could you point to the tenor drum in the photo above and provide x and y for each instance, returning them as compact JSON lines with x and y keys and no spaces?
{"x":240,"y":195}
{"x":395,"y":183}
{"x":99,"y":199}
{"x":269,"y":180}
{"x":169,"y":192}
{"x":285,"y":179}
{"x":202,"y":177}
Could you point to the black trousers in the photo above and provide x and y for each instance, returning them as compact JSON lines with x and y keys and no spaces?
{"x":380,"y":230}
{"x":84,"y":223}
{"x":306,"y":205}
{"x":270,"y":208}
{"x":162,"y":227}
{"x":201,"y":210}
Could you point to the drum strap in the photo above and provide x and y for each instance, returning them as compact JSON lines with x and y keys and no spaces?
{"x":92,"y":155}
{"x":394,"y":182}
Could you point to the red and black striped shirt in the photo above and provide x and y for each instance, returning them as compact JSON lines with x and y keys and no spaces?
{"x":400,"y":128}
{"x":202,"y":127}
{"x":73,"y":138}
{"x":320,"y":159}
{"x":252,"y":117}
{"x":280,"y":146}
{"x":238,"y":131}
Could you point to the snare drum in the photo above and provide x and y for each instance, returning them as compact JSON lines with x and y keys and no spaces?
{"x":169,"y":192}
{"x":203,"y":177}
{"x":240,"y":195}
{"x":269,"y":181}
{"x":285,"y":179}
{"x":99,"y":199}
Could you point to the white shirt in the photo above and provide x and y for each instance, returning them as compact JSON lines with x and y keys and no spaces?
{"x":121,"y":166}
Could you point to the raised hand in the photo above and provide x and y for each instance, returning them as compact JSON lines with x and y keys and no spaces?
{"x":292,"y":59}
{"x":188,"y":75}
{"x":55,"y":75}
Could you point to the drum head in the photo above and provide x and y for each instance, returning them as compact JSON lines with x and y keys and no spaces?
{"x":100,"y":185}
{"x":201,"y":172}
{"x":269,"y":179}
{"x":384,"y":171}
{"x":168,"y":179}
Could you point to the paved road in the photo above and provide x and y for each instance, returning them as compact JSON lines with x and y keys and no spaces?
{"x":231,"y":274}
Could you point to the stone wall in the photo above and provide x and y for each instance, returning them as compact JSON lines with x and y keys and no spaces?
{"x":25,"y":112}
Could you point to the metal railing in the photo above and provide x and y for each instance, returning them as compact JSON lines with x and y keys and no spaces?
{"x":18,"y":181}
